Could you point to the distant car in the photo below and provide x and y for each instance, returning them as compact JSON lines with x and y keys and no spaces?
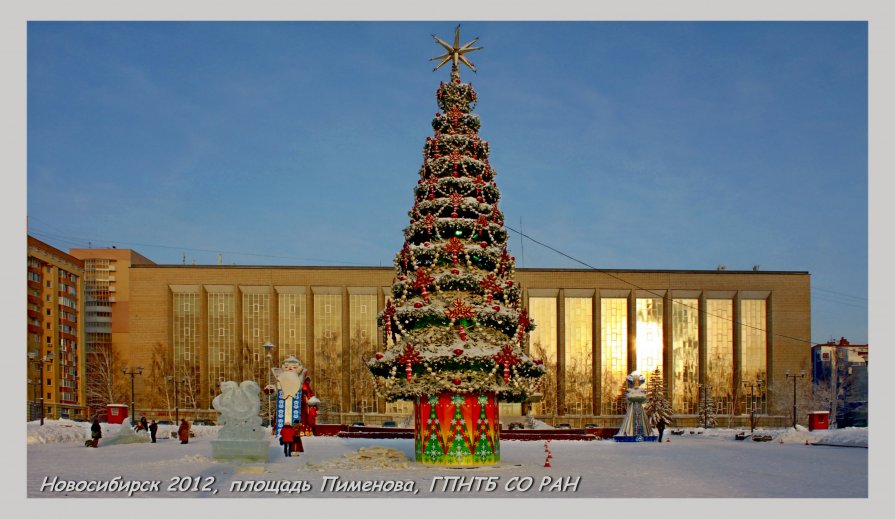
{"x":165,"y":422}
{"x":563,"y":426}
{"x":516,"y":425}
{"x":591,"y":426}
{"x":203,"y":421}
{"x":389,"y":424}
{"x":358,"y":424}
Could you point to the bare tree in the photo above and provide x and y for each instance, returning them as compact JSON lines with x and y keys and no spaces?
{"x":363,"y":399}
{"x":160,"y":369}
{"x":548,"y":382}
{"x":103,"y":385}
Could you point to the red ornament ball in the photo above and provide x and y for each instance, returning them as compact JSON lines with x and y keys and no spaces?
{"x":495,"y":308}
{"x":426,"y":244}
{"x":457,"y":381}
{"x":510,"y":283}
{"x":484,"y":244}
{"x":538,"y":361}
{"x":480,"y":199}
{"x":458,"y":352}
{"x":379,"y":356}
{"x":417,"y":305}
{"x":455,"y":271}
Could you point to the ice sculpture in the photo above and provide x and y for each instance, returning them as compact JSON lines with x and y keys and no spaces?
{"x":241,"y":436}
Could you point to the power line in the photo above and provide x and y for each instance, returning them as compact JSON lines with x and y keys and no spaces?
{"x":638,"y":287}
{"x":86,"y":241}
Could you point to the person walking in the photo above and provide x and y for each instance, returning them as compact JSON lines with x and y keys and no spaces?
{"x":287,"y":436}
{"x":296,"y":442}
{"x":153,"y":429}
{"x":183,"y":432}
{"x":661,"y":426}
{"x":96,"y":432}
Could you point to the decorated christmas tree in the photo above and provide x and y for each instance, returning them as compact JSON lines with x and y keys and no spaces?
{"x":657,"y":404}
{"x":455,"y":327}
{"x":706,"y":410}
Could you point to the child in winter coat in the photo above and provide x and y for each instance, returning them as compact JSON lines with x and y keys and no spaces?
{"x":287,"y":436}
{"x":96,"y":432}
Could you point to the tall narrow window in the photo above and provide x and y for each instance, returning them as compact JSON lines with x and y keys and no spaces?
{"x":543,"y":345}
{"x":292,"y":324}
{"x":719,"y":356}
{"x":186,"y":347}
{"x":753,"y":353}
{"x":685,"y":355}
{"x":614,"y":347}
{"x":327,"y":374}
{"x":363,"y":343}
{"x":579,"y":319}
{"x":649,"y":335}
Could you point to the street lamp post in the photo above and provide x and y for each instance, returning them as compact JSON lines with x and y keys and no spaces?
{"x":794,"y":378}
{"x":268,"y":347}
{"x":39,"y":362}
{"x":752,"y":387}
{"x":137,"y":371}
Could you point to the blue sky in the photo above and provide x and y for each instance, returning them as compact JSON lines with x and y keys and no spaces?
{"x":635,"y":145}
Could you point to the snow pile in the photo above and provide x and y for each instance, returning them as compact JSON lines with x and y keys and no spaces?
{"x":851,"y":436}
{"x":70,"y":431}
{"x":366,"y":458}
{"x":124,"y":435}
{"x":60,"y":431}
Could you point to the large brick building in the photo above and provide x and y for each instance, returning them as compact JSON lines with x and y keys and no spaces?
{"x":55,"y":339}
{"x":190,"y":327}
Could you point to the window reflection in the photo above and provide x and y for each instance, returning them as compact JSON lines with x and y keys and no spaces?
{"x":364,"y":341}
{"x":327,"y":375}
{"x":579,"y":357}
{"x":649,"y":335}
{"x":543,"y":345}
{"x":719,"y":358}
{"x":685,"y":355}
{"x":614,"y":356}
{"x":753,"y":352}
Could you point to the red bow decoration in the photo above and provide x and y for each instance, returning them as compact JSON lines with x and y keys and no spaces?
{"x":408,"y":358}
{"x":507,"y":358}
{"x":422,"y":282}
{"x":454,"y":247}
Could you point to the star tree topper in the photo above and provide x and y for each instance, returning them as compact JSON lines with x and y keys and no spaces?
{"x":455,"y":53}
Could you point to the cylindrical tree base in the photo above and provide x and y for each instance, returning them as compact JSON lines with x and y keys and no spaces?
{"x":457,"y":429}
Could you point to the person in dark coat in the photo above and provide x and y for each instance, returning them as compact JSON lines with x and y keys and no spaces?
{"x":153,"y":429}
{"x":183,"y":432}
{"x":287,"y":436}
{"x":144,"y":425}
{"x":661,"y":426}
{"x":96,"y":432}
{"x":296,"y":442}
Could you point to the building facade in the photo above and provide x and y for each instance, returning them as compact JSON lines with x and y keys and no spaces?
{"x":839,"y":372}
{"x":55,"y":340}
{"x":106,"y":320}
{"x":192,"y":327}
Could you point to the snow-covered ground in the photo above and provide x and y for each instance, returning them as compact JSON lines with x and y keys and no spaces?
{"x":700,"y":463}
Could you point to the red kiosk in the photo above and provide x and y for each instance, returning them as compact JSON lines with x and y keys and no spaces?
{"x":116,"y":413}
